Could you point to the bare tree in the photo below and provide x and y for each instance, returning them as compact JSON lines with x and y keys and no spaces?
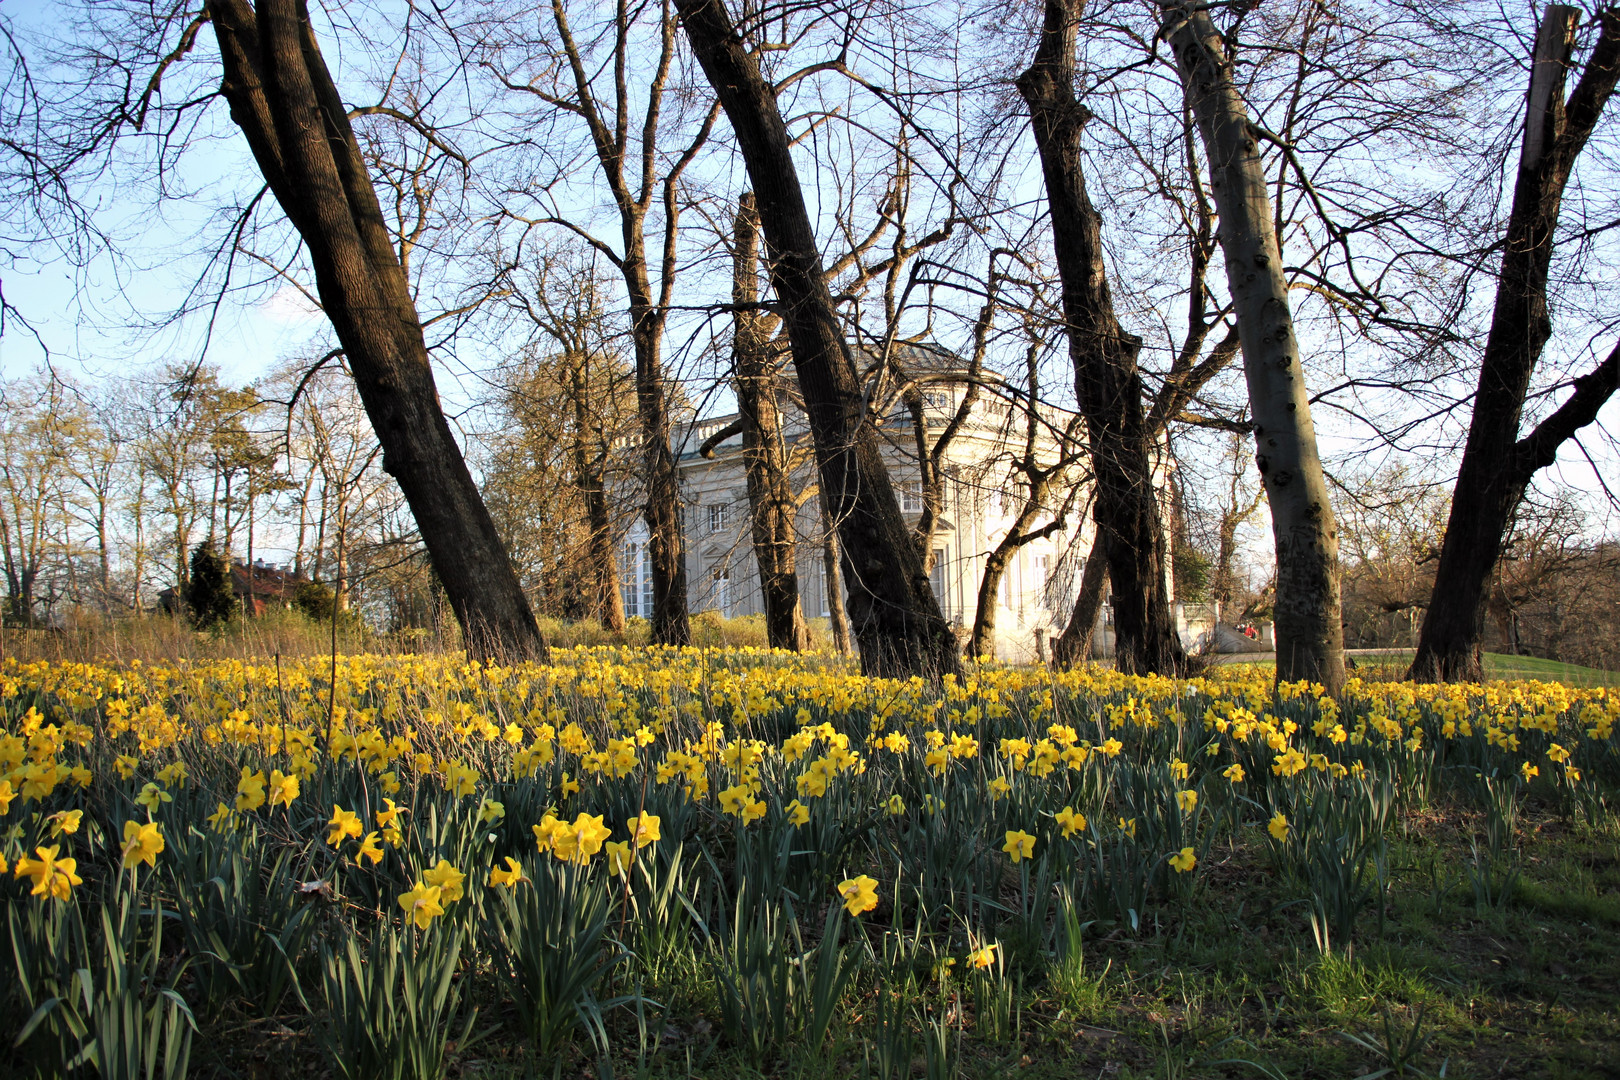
{"x":284,"y":100}
{"x":1310,"y":637}
{"x":771,"y":504}
{"x":897,"y":620}
{"x":1498,"y":463}
{"x":571,"y":78}
{"x":1107,"y":382}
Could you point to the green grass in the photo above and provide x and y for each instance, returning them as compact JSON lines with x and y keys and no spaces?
{"x":1392,"y":664}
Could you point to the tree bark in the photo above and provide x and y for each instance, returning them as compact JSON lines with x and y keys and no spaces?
{"x":282,"y":97}
{"x":1497,"y":465}
{"x":897,"y":621}
{"x":1073,"y":646}
{"x":837,"y":616}
{"x":770,"y":492}
{"x":609,"y":601}
{"x":1107,"y":381}
{"x":1310,"y":635}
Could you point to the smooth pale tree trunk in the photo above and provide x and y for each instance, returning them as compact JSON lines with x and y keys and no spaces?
{"x":1107,"y":382}
{"x":282,"y":97}
{"x":897,"y":622}
{"x":770,"y":493}
{"x":1310,"y":635}
{"x":1073,"y":646}
{"x":1497,"y":465}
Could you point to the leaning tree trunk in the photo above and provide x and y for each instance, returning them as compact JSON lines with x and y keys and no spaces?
{"x":282,"y":97}
{"x":1310,"y":636}
{"x":1497,"y":464}
{"x":770,"y":494}
{"x":1106,"y":379}
{"x":897,"y":620}
{"x":1073,"y":646}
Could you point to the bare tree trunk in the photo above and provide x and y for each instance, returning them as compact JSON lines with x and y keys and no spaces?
{"x":1497,"y":464}
{"x":1073,"y":646}
{"x":609,"y":601}
{"x":1310,"y":636}
{"x":770,"y":492}
{"x":897,"y":621}
{"x":282,"y":97}
{"x":837,"y":616}
{"x":1107,"y":381}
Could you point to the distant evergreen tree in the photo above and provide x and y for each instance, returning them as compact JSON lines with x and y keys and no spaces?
{"x":209,"y":596}
{"x":315,"y":601}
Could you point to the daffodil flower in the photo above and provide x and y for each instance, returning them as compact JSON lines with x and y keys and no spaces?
{"x":859,"y":893}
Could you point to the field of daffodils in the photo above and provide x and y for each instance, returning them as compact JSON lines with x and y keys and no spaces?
{"x":743,"y":863}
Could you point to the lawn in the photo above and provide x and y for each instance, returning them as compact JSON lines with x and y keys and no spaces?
{"x":1391,"y":664}
{"x":731,"y":863}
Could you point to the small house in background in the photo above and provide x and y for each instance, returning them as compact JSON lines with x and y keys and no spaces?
{"x":260,"y":587}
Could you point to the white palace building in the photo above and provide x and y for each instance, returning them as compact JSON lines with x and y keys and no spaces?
{"x":983,"y":494}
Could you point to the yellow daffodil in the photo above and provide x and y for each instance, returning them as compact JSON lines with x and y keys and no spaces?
{"x":859,"y":893}
{"x":1529,"y":771}
{"x":344,"y":823}
{"x":369,"y":849}
{"x":1019,"y":846}
{"x":1278,"y":827}
{"x":53,"y":877}
{"x":222,"y":818}
{"x":152,"y":796}
{"x":1071,"y":821}
{"x":142,"y":843}
{"x":1184,"y":861}
{"x":797,"y":813}
{"x":250,"y":790}
{"x":983,"y":957}
{"x":283,"y":789}
{"x":65,"y":822}
{"x":1234,"y":773}
{"x":447,"y":879}
{"x":388,"y":814}
{"x":508,"y":877}
{"x":896,"y":806}
{"x":490,"y":811}
{"x":644,"y":830}
{"x":999,"y":787}
{"x":1187,"y":800}
{"x":422,"y":904}
{"x":619,"y":860}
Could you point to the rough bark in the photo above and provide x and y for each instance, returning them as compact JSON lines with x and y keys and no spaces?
{"x":608,"y":602}
{"x":837,"y":615}
{"x":1310,"y":636}
{"x":897,"y":621}
{"x":282,"y":97}
{"x":1073,"y":646}
{"x":1497,"y":465}
{"x":770,"y":492}
{"x":610,"y":137}
{"x":1108,"y":384}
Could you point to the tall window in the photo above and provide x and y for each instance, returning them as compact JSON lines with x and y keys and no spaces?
{"x":911,"y":497}
{"x":638,"y":590}
{"x":720,"y":592}
{"x":717,"y":518}
{"x":936,"y":581}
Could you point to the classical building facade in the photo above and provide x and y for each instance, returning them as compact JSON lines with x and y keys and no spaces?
{"x":984,"y":490}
